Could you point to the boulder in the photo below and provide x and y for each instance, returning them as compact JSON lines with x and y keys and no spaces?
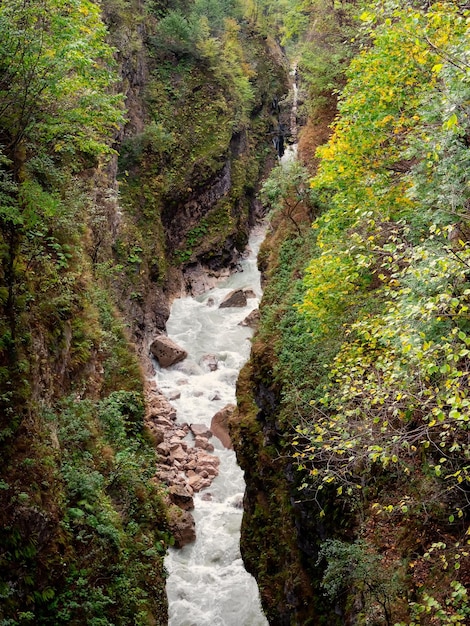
{"x":178,"y":454}
{"x":191,"y":465}
{"x":251,"y":320}
{"x":166,"y":351}
{"x":209,"y":362}
{"x":198,"y":482}
{"x":219,"y":425}
{"x":249,"y":293}
{"x":236,"y":298}
{"x":180,"y":496}
{"x":207,"y":463}
{"x":167,"y":476}
{"x":175,"y":443}
{"x":157,"y":406}
{"x":162,"y":421}
{"x":164,"y":449}
{"x":203,"y":444}
{"x":200,"y":430}
{"x":182,"y":526}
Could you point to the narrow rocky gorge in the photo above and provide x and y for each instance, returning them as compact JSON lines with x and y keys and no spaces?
{"x":140,"y":143}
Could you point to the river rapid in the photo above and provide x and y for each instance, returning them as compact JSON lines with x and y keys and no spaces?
{"x":208,"y":584}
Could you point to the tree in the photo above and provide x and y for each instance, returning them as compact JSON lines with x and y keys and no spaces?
{"x":286,"y":190}
{"x":388,"y":431}
{"x":57,"y":117}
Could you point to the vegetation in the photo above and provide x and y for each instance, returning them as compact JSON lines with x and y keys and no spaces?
{"x":354,"y":410}
{"x":365,"y":359}
{"x":175,"y":97}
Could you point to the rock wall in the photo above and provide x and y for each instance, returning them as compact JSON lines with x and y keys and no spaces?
{"x":184,"y":212}
{"x":84,"y":524}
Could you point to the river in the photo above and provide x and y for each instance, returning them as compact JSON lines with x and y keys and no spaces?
{"x":208,"y":584}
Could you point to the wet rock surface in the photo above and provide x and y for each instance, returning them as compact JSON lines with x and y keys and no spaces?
{"x":166,"y":351}
{"x":185,"y":466}
{"x":220,"y":425}
{"x":252,"y":319}
{"x":236,"y":298}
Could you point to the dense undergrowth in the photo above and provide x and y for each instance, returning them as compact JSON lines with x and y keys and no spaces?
{"x":365,"y":360}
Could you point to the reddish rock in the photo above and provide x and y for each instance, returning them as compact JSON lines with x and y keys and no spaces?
{"x":179,"y":454}
{"x":200,"y":430}
{"x":201,"y":442}
{"x":181,"y":496}
{"x":162,"y":421}
{"x":197,"y":482}
{"x":251,"y":320}
{"x":182,"y":526}
{"x":219,"y":425}
{"x":168,"y":477}
{"x":166,"y":351}
{"x":164,"y":449}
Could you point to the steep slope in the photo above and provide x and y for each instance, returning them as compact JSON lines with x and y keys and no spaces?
{"x":353,"y":424}
{"x":87,"y":264}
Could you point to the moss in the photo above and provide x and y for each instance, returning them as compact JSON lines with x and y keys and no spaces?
{"x":269,"y":537}
{"x":83,"y":526}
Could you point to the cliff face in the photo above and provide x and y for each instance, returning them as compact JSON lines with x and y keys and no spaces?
{"x":189,"y":168}
{"x":280,"y":532}
{"x":123,"y":180}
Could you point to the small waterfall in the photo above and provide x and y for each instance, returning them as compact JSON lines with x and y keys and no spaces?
{"x":290,"y":151}
{"x":207,"y":583}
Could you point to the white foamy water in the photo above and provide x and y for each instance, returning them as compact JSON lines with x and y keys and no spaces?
{"x":208,"y":584}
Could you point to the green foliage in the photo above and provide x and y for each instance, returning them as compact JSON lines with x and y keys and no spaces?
{"x":121,"y":369}
{"x":353,"y":566}
{"x":287,"y":190}
{"x":387,"y":434}
{"x":104,"y":562}
{"x":456,"y":611}
{"x":333,"y":39}
{"x":177,"y":33}
{"x":322,"y":37}
{"x":57,"y":117}
{"x":83,"y":528}
{"x":55,"y":74}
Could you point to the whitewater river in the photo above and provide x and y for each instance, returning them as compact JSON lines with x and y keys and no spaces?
{"x":207,"y":583}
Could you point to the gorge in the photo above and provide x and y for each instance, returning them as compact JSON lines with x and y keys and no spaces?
{"x":139,"y":145}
